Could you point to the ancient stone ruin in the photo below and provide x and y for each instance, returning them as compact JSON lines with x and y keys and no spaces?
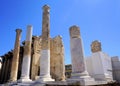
{"x":96,"y":46}
{"x":39,"y":61}
{"x":24,"y":62}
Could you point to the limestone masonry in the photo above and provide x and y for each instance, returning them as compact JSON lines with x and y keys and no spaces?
{"x":40,"y":61}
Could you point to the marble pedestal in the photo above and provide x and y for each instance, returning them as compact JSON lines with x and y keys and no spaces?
{"x":116,"y":68}
{"x":99,"y":66}
{"x":82,"y":79}
{"x":25,"y":79}
{"x":25,"y":70}
{"x":27,"y":57}
{"x":79,"y":71}
{"x":45,"y":67}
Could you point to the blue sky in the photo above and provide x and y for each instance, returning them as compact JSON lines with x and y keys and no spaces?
{"x":97,"y":19}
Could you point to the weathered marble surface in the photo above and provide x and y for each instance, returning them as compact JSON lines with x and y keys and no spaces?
{"x":46,"y":28}
{"x":99,"y":66}
{"x":27,"y":56}
{"x":96,"y":46}
{"x":116,"y":68}
{"x":36,"y":57}
{"x":45,"y":66}
{"x":45,"y":63}
{"x":78,"y":64}
{"x":45,"y":51}
{"x":15,"y":59}
{"x":74,"y":32}
{"x":57,"y":65}
{"x":77,"y":53}
{"x":79,"y":71}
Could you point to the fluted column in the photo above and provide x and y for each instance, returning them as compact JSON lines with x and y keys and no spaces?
{"x":27,"y":56}
{"x":45,"y":52}
{"x":15,"y":59}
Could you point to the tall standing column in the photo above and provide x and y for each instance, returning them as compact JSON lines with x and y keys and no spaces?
{"x":0,"y":64}
{"x":45,"y":52}
{"x":15,"y":59}
{"x":27,"y":56}
{"x":79,"y":72}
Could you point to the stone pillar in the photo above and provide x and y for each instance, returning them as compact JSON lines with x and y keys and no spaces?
{"x":79,"y":72}
{"x":0,"y":63}
{"x":27,"y":56}
{"x":6,"y":68}
{"x":15,"y":59}
{"x":45,"y":51}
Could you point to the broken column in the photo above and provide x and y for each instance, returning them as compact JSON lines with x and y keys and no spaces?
{"x":99,"y":63}
{"x":27,"y":56}
{"x":45,"y":51}
{"x":15,"y":59}
{"x":57,"y":65}
{"x":35,"y":57}
{"x":79,"y":72}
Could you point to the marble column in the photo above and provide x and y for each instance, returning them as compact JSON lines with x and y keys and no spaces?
{"x":27,"y":56}
{"x":15,"y":59}
{"x":45,"y":51}
{"x":79,"y":71}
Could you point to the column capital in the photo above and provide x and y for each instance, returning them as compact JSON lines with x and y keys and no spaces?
{"x":18,"y":30}
{"x":29,"y":26}
{"x":96,"y":46}
{"x":74,"y":31}
{"x":46,"y":8}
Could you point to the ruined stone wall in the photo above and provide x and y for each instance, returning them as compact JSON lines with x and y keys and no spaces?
{"x":57,"y":67}
{"x":57,"y":59}
{"x":35,"y":59}
{"x":5,"y":71}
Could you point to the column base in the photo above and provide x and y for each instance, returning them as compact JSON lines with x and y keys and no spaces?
{"x":11,"y":83}
{"x":102,"y":77}
{"x":81,"y":79}
{"x":43,"y":79}
{"x":24,"y":79}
